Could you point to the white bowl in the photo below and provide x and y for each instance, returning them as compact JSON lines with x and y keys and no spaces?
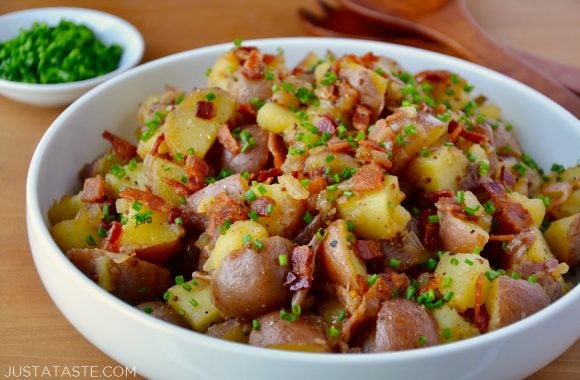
{"x":108,"y":28}
{"x":163,"y":351}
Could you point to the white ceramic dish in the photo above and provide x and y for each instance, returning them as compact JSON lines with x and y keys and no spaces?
{"x":162,"y":351}
{"x":108,"y":28}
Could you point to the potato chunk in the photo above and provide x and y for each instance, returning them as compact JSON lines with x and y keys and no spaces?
{"x":275,"y":118}
{"x":287,"y":212}
{"x":376,"y":214}
{"x":157,"y":171}
{"x":452,"y":326}
{"x":125,"y":276}
{"x":510,"y":300}
{"x":193,"y":124}
{"x":192,"y":300}
{"x":458,"y":273}
{"x":563,"y":237}
{"x":442,"y":168}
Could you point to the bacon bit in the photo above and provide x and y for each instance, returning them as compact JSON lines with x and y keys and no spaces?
{"x":337,"y":145}
{"x":123,"y":148}
{"x":473,"y":136}
{"x":372,"y":145}
{"x":197,"y":169}
{"x":361,"y":118}
{"x":302,"y":273}
{"x":431,"y":238}
{"x":178,"y":187}
{"x":454,"y":129}
{"x":111,"y":242}
{"x":158,"y":141}
{"x":362,"y":283}
{"x":480,"y":319}
{"x":316,"y":185}
{"x":381,"y":132}
{"x":93,"y":189}
{"x":264,"y":175}
{"x":260,"y":205}
{"x":326,"y":125}
{"x":253,"y":67}
{"x":247,"y":113}
{"x":371,"y":152}
{"x":436,"y":195}
{"x":509,"y":237}
{"x":511,"y":216}
{"x":225,"y":208}
{"x":278,"y":149}
{"x":205,"y":110}
{"x":368,"y":177}
{"x":243,"y":52}
{"x":434,"y":75}
{"x":368,"y":249}
{"x":154,"y":202}
{"x":368,"y":59}
{"x":225,"y":137}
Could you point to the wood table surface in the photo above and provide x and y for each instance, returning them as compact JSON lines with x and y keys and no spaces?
{"x":32,"y":330}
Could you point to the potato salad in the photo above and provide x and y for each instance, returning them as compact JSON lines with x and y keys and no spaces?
{"x":342,"y":205}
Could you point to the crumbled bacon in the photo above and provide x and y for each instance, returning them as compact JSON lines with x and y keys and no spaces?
{"x":197,"y":169}
{"x":93,"y":189}
{"x":111,"y":242}
{"x":382,"y":132}
{"x":302,"y":273}
{"x":473,"y":136}
{"x":225,"y":208}
{"x":154,"y":202}
{"x":243,"y":52}
{"x":123,"y":148}
{"x":511,"y":216}
{"x":205,"y":110}
{"x":368,"y":177}
{"x":247,"y":112}
{"x":480,"y":318}
{"x":436,"y":195}
{"x":326,"y":125}
{"x":158,"y":141}
{"x":277,"y":147}
{"x":371,"y":152}
{"x":361,"y":118}
{"x":268,"y":174}
{"x":430,"y":231}
{"x":225,"y":137}
{"x":178,"y":187}
{"x":316,"y":185}
{"x":253,"y":67}
{"x":337,"y":145}
{"x":261,"y":205}
{"x":368,"y":249}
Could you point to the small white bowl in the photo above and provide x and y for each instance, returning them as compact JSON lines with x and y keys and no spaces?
{"x":162,"y":351}
{"x":108,"y":28}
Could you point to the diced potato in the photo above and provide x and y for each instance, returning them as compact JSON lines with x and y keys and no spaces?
{"x":478,"y":153}
{"x":125,"y":276}
{"x":452,"y":326}
{"x":66,"y":208}
{"x":571,"y":205}
{"x":490,"y":110}
{"x":341,"y":265}
{"x":148,"y":233}
{"x":287,"y":212}
{"x":234,"y":239}
{"x":535,"y":206}
{"x":539,"y":252}
{"x":232,"y":330}
{"x":321,"y":69}
{"x":275,"y":118}
{"x":443,"y":168}
{"x":144,"y":147}
{"x":459,"y":273}
{"x":563,"y":237}
{"x":510,"y":300}
{"x":192,"y":300}
{"x":331,"y":311}
{"x":381,"y":84}
{"x":185,"y":129}
{"x":157,"y":169}
{"x":222,"y":70}
{"x":376,"y":214}
{"x":132,"y":175}
{"x":80,"y":232}
{"x":317,"y":161}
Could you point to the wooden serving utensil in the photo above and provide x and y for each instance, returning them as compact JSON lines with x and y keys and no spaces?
{"x":449,"y":22}
{"x":337,"y":21}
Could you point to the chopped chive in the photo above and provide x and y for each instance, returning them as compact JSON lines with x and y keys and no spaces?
{"x":307,"y":217}
{"x":283,"y":260}
{"x":468,"y":262}
{"x":433,"y":218}
{"x":460,"y":196}
{"x":471,"y":210}
{"x":333,"y":332}
{"x":394,"y":263}
{"x":372,"y":279}
{"x":256,"y":324}
{"x":253,"y":214}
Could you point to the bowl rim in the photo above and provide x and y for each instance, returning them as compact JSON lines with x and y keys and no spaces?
{"x":38,"y":221}
{"x":136,"y":40}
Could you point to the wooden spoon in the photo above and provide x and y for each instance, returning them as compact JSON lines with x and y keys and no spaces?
{"x":336,"y":21}
{"x":449,"y":22}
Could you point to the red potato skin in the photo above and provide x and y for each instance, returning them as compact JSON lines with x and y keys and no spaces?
{"x":133,"y":280}
{"x":254,"y":159}
{"x":307,"y":331}
{"x":160,"y":310}
{"x":403,"y":325}
{"x":516,"y":299}
{"x":249,"y":284}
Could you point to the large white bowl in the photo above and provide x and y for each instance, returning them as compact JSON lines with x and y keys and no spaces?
{"x":107,"y":28}
{"x":163,"y":351}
